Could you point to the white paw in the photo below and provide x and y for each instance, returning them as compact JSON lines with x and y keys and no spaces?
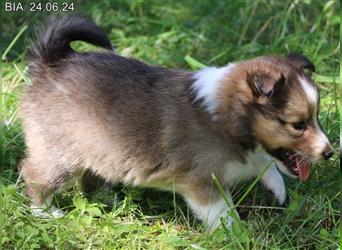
{"x":46,"y":213}
{"x":280,"y":193}
{"x":214,"y":225}
{"x":230,"y":221}
{"x":275,"y":183}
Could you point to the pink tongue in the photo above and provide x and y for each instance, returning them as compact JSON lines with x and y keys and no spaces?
{"x":303,"y":169}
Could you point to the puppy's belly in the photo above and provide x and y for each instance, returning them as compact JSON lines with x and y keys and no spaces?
{"x":116,"y":165}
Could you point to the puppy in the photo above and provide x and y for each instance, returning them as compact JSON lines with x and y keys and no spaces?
{"x":149,"y":126}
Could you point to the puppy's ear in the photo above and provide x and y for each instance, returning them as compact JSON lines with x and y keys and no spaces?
{"x":301,"y":62}
{"x":263,"y":84}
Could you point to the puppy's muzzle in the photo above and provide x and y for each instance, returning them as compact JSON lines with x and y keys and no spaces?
{"x":328,"y":152}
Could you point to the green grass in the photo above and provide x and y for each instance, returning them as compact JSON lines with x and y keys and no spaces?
{"x":182,"y":34}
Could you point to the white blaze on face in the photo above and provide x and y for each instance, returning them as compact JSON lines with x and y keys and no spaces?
{"x":313,"y":97}
{"x":310,"y":91}
{"x":207,"y":84}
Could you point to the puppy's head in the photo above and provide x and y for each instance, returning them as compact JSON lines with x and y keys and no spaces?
{"x":285,"y":107}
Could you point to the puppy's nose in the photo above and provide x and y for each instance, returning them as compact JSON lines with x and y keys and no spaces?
{"x":328,"y":152}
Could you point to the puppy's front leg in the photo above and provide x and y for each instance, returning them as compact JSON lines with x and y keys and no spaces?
{"x":274,"y":182}
{"x":210,"y":210}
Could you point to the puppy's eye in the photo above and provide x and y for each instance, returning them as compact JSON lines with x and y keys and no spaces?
{"x":307,"y":72}
{"x":299,"y":125}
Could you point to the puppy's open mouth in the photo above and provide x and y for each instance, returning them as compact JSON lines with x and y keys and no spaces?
{"x":294,"y":162}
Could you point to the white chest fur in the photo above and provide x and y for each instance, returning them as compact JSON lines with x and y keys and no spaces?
{"x":236,"y":171}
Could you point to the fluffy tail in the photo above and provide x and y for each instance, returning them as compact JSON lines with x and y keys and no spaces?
{"x":52,"y":42}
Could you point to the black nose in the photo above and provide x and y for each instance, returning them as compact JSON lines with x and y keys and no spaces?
{"x":328,"y":153}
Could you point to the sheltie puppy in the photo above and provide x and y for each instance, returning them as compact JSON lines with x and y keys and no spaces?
{"x":149,"y":126}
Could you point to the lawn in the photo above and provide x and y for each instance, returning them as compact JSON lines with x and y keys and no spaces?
{"x":180,"y":34}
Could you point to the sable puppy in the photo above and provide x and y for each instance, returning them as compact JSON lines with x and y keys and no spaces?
{"x":130,"y":122}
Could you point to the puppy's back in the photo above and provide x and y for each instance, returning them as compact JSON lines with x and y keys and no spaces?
{"x":90,"y":110}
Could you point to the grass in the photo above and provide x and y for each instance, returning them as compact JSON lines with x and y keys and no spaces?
{"x":183,"y":34}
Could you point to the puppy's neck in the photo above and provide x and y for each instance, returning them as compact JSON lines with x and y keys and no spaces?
{"x":206,"y":86}
{"x":235,"y":123}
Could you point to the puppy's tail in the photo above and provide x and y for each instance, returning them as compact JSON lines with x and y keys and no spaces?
{"x":53,"y":41}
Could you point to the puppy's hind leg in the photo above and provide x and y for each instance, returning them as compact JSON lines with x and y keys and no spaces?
{"x":42,"y":180}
